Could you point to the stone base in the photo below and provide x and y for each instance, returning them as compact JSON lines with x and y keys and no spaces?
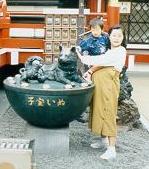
{"x":128,"y":114}
{"x":50,"y":141}
{"x":15,"y":154}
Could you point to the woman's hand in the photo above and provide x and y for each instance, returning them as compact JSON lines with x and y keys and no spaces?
{"x":79,"y":54}
{"x":87,"y":75}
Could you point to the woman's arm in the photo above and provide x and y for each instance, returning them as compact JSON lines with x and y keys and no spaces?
{"x":111,"y":57}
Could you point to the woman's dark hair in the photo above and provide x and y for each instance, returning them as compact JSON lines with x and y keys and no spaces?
{"x":96,"y":22}
{"x":119,"y":27}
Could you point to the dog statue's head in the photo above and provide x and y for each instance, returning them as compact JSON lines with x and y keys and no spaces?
{"x":34,"y":62}
{"x":32,"y":67}
{"x":68,"y":59}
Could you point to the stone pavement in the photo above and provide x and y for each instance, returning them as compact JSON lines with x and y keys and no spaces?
{"x":140,"y":94}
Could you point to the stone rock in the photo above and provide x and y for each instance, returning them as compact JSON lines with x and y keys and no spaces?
{"x":125,"y":86}
{"x":128,"y":114}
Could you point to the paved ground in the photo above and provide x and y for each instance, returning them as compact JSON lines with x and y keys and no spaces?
{"x":69,"y":147}
{"x":140,"y":82}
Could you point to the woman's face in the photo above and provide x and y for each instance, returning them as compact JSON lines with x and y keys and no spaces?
{"x":96,"y":31}
{"x":116,"y":37}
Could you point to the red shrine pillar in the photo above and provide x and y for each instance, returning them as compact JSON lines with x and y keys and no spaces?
{"x":113,"y":12}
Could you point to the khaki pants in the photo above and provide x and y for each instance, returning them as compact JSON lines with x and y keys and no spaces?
{"x":6,"y":166}
{"x":105,"y":101}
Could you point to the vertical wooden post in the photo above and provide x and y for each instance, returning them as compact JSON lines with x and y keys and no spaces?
{"x":131,"y":62}
{"x":81,"y":20}
{"x":4,"y":29}
{"x":92,"y":4}
{"x":4,"y":19}
{"x":113,"y":13}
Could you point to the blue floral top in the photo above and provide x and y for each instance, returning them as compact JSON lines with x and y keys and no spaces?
{"x":95,"y":45}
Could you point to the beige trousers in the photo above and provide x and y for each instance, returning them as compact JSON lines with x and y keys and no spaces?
{"x":105,"y":102}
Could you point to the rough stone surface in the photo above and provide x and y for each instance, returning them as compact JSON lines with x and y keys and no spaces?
{"x":128,"y":114}
{"x":126,"y":87}
{"x":131,"y":146}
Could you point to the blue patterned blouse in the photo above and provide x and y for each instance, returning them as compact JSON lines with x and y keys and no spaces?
{"x":95,"y":45}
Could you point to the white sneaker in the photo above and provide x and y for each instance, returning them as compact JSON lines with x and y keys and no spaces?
{"x":110,"y":154}
{"x":105,"y":141}
{"x":95,"y":145}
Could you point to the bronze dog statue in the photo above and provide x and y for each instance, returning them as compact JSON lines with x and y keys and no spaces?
{"x":64,"y":71}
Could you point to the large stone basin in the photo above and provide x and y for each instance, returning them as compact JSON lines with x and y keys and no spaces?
{"x":50,"y":107}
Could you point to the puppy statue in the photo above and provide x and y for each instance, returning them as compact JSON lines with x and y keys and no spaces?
{"x":33,"y":67}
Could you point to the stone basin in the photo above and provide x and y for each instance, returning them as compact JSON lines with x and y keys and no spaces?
{"x":50,"y":104}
